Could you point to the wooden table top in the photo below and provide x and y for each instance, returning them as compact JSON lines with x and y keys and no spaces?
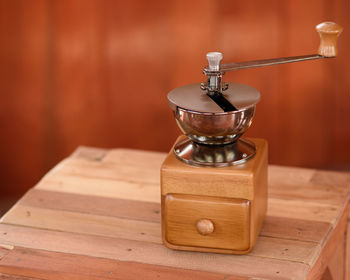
{"x":96,"y":215}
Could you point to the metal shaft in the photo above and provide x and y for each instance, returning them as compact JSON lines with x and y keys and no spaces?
{"x":260,"y":63}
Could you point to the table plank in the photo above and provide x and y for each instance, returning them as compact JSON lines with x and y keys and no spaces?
{"x":83,"y":223}
{"x":149,"y":253}
{"x":15,"y":277}
{"x":28,"y":263}
{"x":309,"y":192}
{"x":311,"y":211}
{"x":105,"y":206}
{"x":111,"y":188}
{"x":293,"y":175}
{"x":295,"y":229}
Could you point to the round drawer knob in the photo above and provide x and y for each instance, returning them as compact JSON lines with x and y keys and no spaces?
{"x":205,"y":226}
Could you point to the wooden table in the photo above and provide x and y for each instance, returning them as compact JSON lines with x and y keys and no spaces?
{"x":96,"y":215}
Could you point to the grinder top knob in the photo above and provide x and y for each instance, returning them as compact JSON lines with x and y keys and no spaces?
{"x":214,"y":59}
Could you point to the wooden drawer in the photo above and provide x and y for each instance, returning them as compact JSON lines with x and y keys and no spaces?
{"x":203,"y":221}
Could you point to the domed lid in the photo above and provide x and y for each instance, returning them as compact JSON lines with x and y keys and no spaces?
{"x":193,"y":98}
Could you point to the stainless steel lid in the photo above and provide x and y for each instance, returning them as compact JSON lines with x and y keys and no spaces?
{"x":193,"y":98}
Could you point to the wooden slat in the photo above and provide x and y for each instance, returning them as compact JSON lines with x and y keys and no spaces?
{"x":113,"y":180}
{"x":283,"y":249}
{"x":138,"y":172}
{"x":331,"y":178}
{"x":114,"y":207}
{"x":101,"y":187}
{"x":296,"y":175}
{"x":144,"y":252}
{"x":83,"y":223}
{"x":303,"y":210}
{"x":89,"y":153}
{"x":132,"y":157}
{"x":309,"y":192}
{"x":14,"y":277}
{"x":295,"y":229}
{"x":28,"y":263}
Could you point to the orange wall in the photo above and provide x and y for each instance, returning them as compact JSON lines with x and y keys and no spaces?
{"x":96,"y":72}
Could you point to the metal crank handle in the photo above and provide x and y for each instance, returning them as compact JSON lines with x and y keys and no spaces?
{"x":328,"y":31}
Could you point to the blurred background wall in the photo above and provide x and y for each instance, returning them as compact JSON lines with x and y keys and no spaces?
{"x":97,"y":72}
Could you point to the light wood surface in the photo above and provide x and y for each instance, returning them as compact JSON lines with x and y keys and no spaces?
{"x":97,"y":216}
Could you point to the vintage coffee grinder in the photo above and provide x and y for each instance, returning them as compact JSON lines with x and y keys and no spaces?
{"x":214,"y":183}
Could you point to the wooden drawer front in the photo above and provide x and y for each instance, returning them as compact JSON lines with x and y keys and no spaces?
{"x":225,"y":221}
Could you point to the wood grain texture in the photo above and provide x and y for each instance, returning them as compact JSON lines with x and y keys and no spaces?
{"x":311,"y":211}
{"x":229,"y":217}
{"x":83,"y":223}
{"x":299,"y":235}
{"x":247,"y":183}
{"x":24,"y":262}
{"x":103,"y":206}
{"x":14,"y":277}
{"x":295,"y":229}
{"x":148,"y":253}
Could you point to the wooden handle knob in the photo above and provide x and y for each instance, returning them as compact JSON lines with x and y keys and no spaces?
{"x":205,"y":227}
{"x":329,"y":32}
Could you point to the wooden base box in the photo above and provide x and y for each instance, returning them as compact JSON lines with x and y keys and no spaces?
{"x":218,"y":209}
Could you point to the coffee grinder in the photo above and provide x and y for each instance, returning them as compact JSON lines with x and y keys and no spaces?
{"x":213,"y":182}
